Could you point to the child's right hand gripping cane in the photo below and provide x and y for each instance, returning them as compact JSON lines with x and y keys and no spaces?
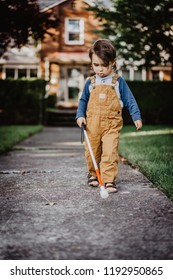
{"x":81,"y":121}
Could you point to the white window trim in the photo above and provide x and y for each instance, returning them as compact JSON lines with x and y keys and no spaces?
{"x":16,"y":72}
{"x":77,"y":42}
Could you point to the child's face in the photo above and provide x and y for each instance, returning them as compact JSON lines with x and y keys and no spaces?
{"x":100,"y":68}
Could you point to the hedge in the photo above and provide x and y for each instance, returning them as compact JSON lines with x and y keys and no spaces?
{"x":155,"y":100}
{"x":21,"y":101}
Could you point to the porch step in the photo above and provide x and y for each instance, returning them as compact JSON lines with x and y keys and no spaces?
{"x":60,"y":117}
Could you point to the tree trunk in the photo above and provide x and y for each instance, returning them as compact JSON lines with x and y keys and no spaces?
{"x":171,"y":59}
{"x":172,"y":74}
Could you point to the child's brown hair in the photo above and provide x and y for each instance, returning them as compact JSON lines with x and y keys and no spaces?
{"x":105,"y":50}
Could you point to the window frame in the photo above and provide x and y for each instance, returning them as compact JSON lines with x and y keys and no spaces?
{"x":16,"y":71}
{"x":81,"y":32}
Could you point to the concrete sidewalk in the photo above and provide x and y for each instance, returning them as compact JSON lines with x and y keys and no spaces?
{"x":48,"y":211}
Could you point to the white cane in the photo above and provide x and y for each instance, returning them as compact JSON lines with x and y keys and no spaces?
{"x":103,"y":191}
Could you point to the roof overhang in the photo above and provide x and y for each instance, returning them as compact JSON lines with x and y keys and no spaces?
{"x":89,"y":2}
{"x":69,"y":58}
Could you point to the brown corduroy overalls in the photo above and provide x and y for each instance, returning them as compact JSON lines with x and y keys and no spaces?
{"x":104,"y":123}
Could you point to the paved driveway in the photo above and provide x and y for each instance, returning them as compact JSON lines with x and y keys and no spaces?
{"x":48,"y":211}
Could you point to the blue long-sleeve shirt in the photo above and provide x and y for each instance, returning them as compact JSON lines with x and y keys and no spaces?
{"x":125,"y":95}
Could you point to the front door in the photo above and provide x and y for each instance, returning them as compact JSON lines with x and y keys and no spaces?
{"x":72,"y":81}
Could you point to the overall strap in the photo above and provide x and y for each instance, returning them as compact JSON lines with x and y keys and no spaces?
{"x":114,"y":80}
{"x":92,"y":78}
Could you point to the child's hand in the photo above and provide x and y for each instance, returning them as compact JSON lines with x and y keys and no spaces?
{"x":80,"y":121}
{"x":138,"y":124}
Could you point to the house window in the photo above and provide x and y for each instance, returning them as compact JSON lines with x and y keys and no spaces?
{"x":17,"y":73}
{"x":126,"y":75}
{"x":73,"y":4}
{"x":22,"y":73}
{"x":9,"y":73}
{"x":74,"y":31}
{"x":33,"y":73}
{"x":137,"y":75}
{"x":155,"y":75}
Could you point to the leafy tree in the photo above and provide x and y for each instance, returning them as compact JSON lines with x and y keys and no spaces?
{"x":19,"y":20}
{"x":141,"y":30}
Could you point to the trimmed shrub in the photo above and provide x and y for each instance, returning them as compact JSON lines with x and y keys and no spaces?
{"x":21,"y":101}
{"x":51,"y":100}
{"x":155,"y":100}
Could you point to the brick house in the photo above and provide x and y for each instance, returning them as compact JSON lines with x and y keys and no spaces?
{"x":62,"y":60}
{"x":64,"y":57}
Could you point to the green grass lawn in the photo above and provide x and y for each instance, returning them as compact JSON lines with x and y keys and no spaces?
{"x":150,"y":149}
{"x":12,"y":134}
